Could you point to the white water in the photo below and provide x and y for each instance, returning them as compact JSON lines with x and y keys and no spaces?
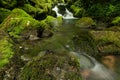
{"x":92,"y":69}
{"x":67,"y":15}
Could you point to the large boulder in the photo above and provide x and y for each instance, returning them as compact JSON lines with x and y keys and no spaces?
{"x":107,"y":42}
{"x":86,"y":22}
{"x":52,"y":66}
{"x":19,"y":24}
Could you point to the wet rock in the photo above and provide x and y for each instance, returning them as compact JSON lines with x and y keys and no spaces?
{"x":108,"y":42}
{"x":86,"y":22}
{"x":52,"y":66}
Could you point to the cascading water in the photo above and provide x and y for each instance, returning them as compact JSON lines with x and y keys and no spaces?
{"x":92,"y":69}
{"x":66,"y":15}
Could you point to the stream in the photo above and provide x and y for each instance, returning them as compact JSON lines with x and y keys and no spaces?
{"x":107,"y":68}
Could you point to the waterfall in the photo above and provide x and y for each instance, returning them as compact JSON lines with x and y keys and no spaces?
{"x":91,"y":69}
{"x":66,"y":15}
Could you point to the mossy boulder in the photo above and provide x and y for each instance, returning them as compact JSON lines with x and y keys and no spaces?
{"x":18,"y":22}
{"x":6,"y":48}
{"x":77,"y":11}
{"x":49,"y":25}
{"x":36,"y":12}
{"x":52,"y":66}
{"x":116,"y":21}
{"x":4,"y":13}
{"x":54,"y":22}
{"x":108,"y":42}
{"x":86,"y":22}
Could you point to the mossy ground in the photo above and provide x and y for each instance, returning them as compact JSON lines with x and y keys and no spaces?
{"x":52,"y":66}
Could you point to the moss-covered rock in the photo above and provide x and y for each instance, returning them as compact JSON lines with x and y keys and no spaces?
{"x":86,"y":22}
{"x":4,"y":13}
{"x":108,"y":42}
{"x":49,"y":25}
{"x":6,"y":49}
{"x":77,"y":11}
{"x":17,"y":22}
{"x":52,"y":66}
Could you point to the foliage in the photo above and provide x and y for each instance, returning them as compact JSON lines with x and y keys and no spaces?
{"x":97,"y":9}
{"x":8,"y":3}
{"x":116,"y":21}
{"x":101,"y":11}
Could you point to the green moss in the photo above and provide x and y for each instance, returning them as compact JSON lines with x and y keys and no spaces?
{"x":4,"y":13}
{"x":29,"y":9}
{"x":46,"y":5}
{"x":6,"y":51}
{"x":107,"y":41}
{"x":86,"y":22}
{"x":116,"y":21}
{"x":52,"y":66}
{"x":17,"y":22}
{"x":51,"y":22}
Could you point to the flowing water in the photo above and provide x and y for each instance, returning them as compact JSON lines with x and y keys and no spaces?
{"x":91,"y":69}
{"x":66,"y":15}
